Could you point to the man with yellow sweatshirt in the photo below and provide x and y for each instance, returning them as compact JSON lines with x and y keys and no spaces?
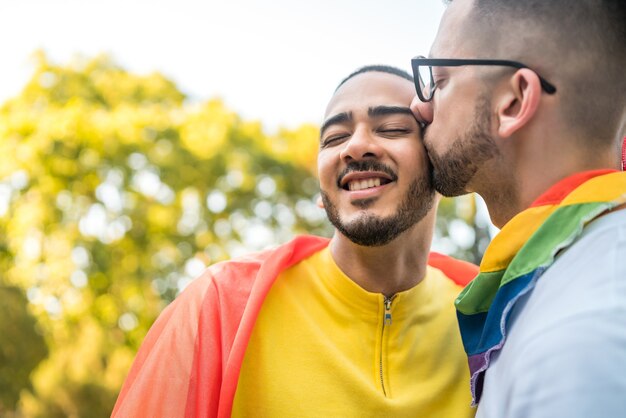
{"x":361,"y":325}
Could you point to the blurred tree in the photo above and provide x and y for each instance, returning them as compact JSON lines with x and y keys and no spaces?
{"x":114,"y":194}
{"x":22,"y":347}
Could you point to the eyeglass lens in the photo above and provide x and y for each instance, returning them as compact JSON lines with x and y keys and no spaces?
{"x":426,"y":80}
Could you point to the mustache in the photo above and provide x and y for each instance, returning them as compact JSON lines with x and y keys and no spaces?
{"x":367,"y":165}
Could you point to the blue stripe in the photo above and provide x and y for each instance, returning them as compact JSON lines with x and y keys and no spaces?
{"x":482,"y":331}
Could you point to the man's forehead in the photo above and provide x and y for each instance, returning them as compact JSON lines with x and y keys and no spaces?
{"x":454,"y":31}
{"x":370,"y":90}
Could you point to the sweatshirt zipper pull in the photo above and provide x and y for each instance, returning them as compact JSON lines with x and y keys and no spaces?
{"x":387,"y":311}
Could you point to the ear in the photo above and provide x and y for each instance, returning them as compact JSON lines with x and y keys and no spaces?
{"x":519,"y":103}
{"x":319,"y":202}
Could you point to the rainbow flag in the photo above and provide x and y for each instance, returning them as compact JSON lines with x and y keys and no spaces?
{"x":522,"y":251}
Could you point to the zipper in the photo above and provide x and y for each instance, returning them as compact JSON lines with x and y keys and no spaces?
{"x":386,"y":322}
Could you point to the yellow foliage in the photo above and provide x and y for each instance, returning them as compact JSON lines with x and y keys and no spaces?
{"x":120,"y":361}
{"x":161,"y":216}
{"x":105,"y":308}
{"x":57,"y":380}
{"x":130,"y":263}
{"x":206,"y":130}
{"x":299,"y":146}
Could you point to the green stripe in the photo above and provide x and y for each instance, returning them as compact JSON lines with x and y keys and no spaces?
{"x":558,"y":231}
{"x":561,"y":228}
{"x":478,"y":295}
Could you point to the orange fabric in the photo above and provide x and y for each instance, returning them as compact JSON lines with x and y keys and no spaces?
{"x":189,"y":363}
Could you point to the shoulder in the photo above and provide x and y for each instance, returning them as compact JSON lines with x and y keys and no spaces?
{"x":459,"y":271}
{"x":569,"y":369}
{"x":588,"y":276}
{"x":238,"y":275}
{"x":586,"y":280}
{"x":605,"y":235}
{"x":612,"y":222}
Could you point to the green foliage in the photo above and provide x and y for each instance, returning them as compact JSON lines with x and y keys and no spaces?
{"x":22,"y":346}
{"x":114,"y":194}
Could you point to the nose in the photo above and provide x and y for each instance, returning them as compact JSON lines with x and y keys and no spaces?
{"x":423,"y":112}
{"x":361,"y":145}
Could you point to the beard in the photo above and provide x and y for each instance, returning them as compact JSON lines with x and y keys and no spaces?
{"x":370,"y":230}
{"x":453,"y":170}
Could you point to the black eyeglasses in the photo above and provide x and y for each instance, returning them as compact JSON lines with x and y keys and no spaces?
{"x":423,"y":73}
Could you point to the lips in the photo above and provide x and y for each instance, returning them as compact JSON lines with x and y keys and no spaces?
{"x":361,"y":180}
{"x":365,"y":174}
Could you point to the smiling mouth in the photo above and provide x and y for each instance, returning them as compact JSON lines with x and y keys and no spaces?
{"x":363,"y":175}
{"x":362,"y":184}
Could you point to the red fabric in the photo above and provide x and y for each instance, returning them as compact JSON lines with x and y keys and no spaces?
{"x":461,"y":272}
{"x":189,"y":363}
{"x":624,"y":154}
{"x":561,"y":189}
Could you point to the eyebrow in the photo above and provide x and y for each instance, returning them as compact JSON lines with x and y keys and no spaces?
{"x":335,"y":120}
{"x":388,"y":110}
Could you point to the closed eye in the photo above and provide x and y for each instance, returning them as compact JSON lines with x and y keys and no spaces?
{"x":396,"y":132}
{"x":438,"y":78}
{"x":399,"y":131}
{"x":333,"y":140}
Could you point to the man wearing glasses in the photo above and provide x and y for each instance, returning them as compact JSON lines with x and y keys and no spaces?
{"x":524,"y":102}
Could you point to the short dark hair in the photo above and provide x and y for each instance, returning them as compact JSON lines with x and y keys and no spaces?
{"x":378,"y":68}
{"x":579,"y":45}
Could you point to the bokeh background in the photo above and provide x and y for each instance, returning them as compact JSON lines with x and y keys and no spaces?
{"x":142,"y":141}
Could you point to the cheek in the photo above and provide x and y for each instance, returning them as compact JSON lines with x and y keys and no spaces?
{"x":420,"y":165}
{"x":454,"y":108}
{"x":416,"y":160}
{"x":413,"y":161}
{"x":450,"y":123}
{"x":326,"y":167}
{"x":422,"y":160}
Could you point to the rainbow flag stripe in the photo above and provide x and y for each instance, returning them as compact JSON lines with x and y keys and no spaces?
{"x":522,"y":251}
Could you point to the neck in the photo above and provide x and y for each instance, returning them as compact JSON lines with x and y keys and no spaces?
{"x":531,"y":168}
{"x":390,"y":268}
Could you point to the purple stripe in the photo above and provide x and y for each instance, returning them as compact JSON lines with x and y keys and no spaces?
{"x":479,"y":363}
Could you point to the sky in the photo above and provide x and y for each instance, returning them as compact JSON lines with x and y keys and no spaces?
{"x":275,"y":61}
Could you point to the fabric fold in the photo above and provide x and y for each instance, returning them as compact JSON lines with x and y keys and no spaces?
{"x":523,"y":250}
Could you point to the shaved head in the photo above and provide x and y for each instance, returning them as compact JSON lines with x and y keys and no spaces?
{"x":580,"y":46}
{"x":378,"y":68}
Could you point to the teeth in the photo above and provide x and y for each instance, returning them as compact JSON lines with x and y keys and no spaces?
{"x":363,"y":184}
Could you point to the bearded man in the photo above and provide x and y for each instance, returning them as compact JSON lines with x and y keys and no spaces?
{"x":524,"y":102}
{"x":361,"y":325}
